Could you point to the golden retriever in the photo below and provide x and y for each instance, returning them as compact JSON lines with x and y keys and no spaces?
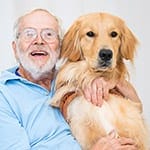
{"x":96,"y":45}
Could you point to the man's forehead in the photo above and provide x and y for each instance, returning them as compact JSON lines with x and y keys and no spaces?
{"x":39,"y":19}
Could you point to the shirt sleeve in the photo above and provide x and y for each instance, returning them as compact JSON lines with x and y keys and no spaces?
{"x":12,"y":134}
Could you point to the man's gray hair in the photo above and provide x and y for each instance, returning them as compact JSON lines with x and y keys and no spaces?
{"x":18,"y":21}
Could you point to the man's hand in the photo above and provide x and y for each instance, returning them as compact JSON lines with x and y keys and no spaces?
{"x":98,"y":91}
{"x":110,"y":142}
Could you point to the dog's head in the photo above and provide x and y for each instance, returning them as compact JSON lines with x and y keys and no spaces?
{"x":101,"y":39}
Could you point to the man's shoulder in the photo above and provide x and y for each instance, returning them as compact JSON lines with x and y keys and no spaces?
{"x":7,"y":74}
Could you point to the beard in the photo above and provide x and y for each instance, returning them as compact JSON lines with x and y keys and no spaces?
{"x":38,"y":71}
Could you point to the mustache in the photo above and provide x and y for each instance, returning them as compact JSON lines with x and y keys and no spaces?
{"x":40,"y":47}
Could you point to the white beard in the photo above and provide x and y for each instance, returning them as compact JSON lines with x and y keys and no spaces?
{"x":38,"y":71}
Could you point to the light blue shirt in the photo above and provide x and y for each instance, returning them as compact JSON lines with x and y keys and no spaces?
{"x":27,"y":122}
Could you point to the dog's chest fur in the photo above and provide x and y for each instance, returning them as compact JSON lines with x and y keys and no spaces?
{"x":89,"y":122}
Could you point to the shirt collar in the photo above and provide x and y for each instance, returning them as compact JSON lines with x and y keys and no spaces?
{"x":11,"y":74}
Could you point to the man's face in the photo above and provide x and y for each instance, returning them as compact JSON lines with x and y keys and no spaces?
{"x":39,"y":51}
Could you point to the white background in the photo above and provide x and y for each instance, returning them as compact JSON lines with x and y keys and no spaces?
{"x":136,"y":13}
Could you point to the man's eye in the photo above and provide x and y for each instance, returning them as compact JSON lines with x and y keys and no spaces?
{"x":29,"y":34}
{"x":49,"y":34}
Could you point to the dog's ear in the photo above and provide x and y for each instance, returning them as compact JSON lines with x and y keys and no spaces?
{"x":128,"y":43}
{"x":71,"y":43}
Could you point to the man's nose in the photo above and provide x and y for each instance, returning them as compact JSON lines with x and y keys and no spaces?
{"x":39,"y":40}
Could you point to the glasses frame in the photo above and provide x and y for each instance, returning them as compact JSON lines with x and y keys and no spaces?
{"x":33,"y":34}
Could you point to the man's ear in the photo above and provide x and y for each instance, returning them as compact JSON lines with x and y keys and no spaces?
{"x":14,"y":46}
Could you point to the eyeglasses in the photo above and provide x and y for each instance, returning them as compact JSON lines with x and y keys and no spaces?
{"x":30,"y":34}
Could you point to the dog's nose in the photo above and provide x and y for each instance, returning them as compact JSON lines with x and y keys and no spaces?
{"x":105,"y":54}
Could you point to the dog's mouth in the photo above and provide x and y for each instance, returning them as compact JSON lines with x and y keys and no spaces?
{"x":104,"y":66}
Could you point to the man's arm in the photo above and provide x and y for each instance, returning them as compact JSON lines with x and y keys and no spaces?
{"x":99,"y":91}
{"x":12,"y":134}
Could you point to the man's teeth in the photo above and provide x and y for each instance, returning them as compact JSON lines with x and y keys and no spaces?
{"x":39,"y":53}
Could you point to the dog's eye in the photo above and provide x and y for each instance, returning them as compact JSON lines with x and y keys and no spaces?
{"x":113,"y":34}
{"x":90,"y":34}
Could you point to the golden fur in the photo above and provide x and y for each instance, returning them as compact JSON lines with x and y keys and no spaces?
{"x":96,"y":46}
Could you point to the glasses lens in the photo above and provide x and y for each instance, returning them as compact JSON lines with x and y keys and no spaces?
{"x":28,"y":34}
{"x":49,"y":35}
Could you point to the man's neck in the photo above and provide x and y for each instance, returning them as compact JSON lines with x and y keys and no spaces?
{"x":44,"y":81}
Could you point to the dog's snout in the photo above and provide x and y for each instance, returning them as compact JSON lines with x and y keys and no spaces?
{"x":105,"y":54}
